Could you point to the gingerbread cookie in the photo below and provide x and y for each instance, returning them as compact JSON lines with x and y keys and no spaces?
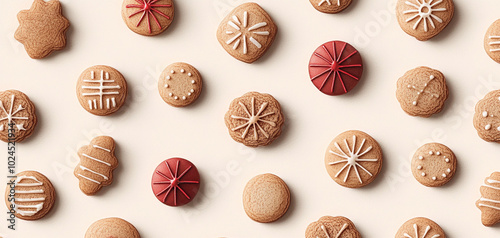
{"x":175,"y":182}
{"x":335,"y":68}
{"x":353,"y":159}
{"x":424,"y":19}
{"x":489,"y":203}
{"x":33,"y":197}
{"x":180,"y":84}
{"x":330,"y":6}
{"x":247,"y":32}
{"x":254,"y":119}
{"x":97,"y":162}
{"x":487,"y":117}
{"x":422,"y":92}
{"x":112,"y":227}
{"x":42,"y":28}
{"x":17,"y":116}
{"x":492,"y":41}
{"x":420,"y":227}
{"x":101,"y":90}
{"x":433,"y":165}
{"x":148,"y":17}
{"x":266,"y":198}
{"x":332,"y":227}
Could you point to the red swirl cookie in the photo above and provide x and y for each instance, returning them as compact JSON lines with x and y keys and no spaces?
{"x":148,"y":17}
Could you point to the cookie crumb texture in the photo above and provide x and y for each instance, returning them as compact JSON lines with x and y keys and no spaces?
{"x":492,"y":41}
{"x":489,"y":203}
{"x":42,"y":28}
{"x":424,"y":19}
{"x":148,"y":17}
{"x":34,"y":195}
{"x":254,"y":119}
{"x":112,"y":228}
{"x":433,"y":165}
{"x":266,"y":198}
{"x":330,"y":6}
{"x":422,"y":92}
{"x":420,"y":227}
{"x":16,"y":110}
{"x":180,"y":84}
{"x":332,"y":227}
{"x":353,"y":159}
{"x":487,"y":117}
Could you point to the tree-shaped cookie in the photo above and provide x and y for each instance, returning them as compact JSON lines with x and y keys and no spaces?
{"x":489,"y":203}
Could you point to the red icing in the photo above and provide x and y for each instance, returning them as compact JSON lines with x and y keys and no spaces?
{"x":147,"y":7}
{"x":335,"y":67}
{"x":175,"y":182}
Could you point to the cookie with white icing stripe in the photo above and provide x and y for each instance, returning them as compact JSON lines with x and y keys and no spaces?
{"x":34,"y":195}
{"x":492,"y":41}
{"x":489,"y":203}
{"x":330,"y":6}
{"x":97,"y":162}
{"x":433,"y":165}
{"x":420,"y":227}
{"x":180,"y":84}
{"x":487,"y":117}
{"x":148,"y":17}
{"x":247,"y":32}
{"x":112,"y":227}
{"x":17,"y":116}
{"x":332,"y":227}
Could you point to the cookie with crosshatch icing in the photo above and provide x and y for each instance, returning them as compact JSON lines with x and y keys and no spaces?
{"x":353,"y":159}
{"x":112,"y":227}
{"x":148,"y":17}
{"x":422,"y":91}
{"x":433,"y":164}
{"x":424,"y":19}
{"x":332,"y":227}
{"x":101,"y":90}
{"x":34,"y":195}
{"x":420,"y":227}
{"x":17,"y":116}
{"x":180,"y":84}
{"x":247,"y":32}
{"x":254,"y":119}
{"x":330,"y":6}
{"x":492,"y":41}
{"x":487,"y":117}
{"x":489,"y":203}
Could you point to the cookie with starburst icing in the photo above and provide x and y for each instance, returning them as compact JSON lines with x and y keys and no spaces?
{"x":17,"y":116}
{"x":330,"y":6}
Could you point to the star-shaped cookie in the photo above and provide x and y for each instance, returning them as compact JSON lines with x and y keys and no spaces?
{"x":42,"y":28}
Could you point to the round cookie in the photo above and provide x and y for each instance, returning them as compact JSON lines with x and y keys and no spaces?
{"x":34,"y":195}
{"x":492,"y":41}
{"x":266,"y":198}
{"x":101,"y":90}
{"x":424,"y":19}
{"x":489,"y":203}
{"x":335,"y":68}
{"x":422,"y":92}
{"x":180,"y":84}
{"x":17,"y":116}
{"x":433,"y":165}
{"x":332,"y":227}
{"x":175,"y":182}
{"x":148,"y":17}
{"x":487,"y":117}
{"x":330,"y":6}
{"x":420,"y":227}
{"x":353,"y":159}
{"x":254,"y":119}
{"x":112,"y":227}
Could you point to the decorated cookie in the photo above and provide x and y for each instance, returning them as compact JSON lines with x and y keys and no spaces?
{"x":17,"y":116}
{"x":247,"y":32}
{"x":424,"y":19}
{"x":112,"y":228}
{"x":42,"y":28}
{"x":266,"y":198}
{"x":422,"y":92}
{"x":335,"y":68}
{"x":489,"y":203}
{"x":148,"y":17}
{"x":254,"y":119}
{"x":180,"y":84}
{"x":330,"y":6}
{"x":420,"y":227}
{"x":353,"y":159}
{"x":433,"y":165}
{"x":97,"y":162}
{"x":33,"y":195}
{"x":487,"y":117}
{"x":101,"y":90}
{"x":332,"y":227}
{"x":492,"y":41}
{"x":175,"y":182}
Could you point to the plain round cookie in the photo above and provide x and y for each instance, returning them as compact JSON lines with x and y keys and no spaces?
{"x":148,"y":17}
{"x":433,"y":165}
{"x":492,"y":41}
{"x":266,"y":198}
{"x":490,"y":199}
{"x":422,"y":92}
{"x":16,"y":110}
{"x":424,"y":19}
{"x":487,"y":117}
{"x":420,"y":227}
{"x":180,"y":84}
{"x":112,"y":227}
{"x":332,"y":227}
{"x":353,"y":159}
{"x":330,"y":6}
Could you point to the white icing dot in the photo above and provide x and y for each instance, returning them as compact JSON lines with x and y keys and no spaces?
{"x":183,"y":97}
{"x":418,"y":93}
{"x":176,"y":97}
{"x":487,"y":127}
{"x":192,"y":81}
{"x":423,"y":174}
{"x":438,"y":153}
{"x":425,"y":84}
{"x":434,"y":178}
{"x":192,"y":90}
{"x":414,"y":103}
{"x":166,"y":85}
{"x":170,"y":94}
{"x":189,"y":94}
{"x":409,"y":86}
{"x":189,"y":74}
{"x":485,"y":114}
{"x":430,"y":152}
{"x":498,"y":98}
{"x":182,"y":71}
{"x":448,"y":170}
{"x":498,"y":129}
{"x":431,"y":77}
{"x":168,"y":77}
{"x":447,"y":160}
{"x":420,"y":157}
{"x":444,"y":175}
{"x":172,"y":71}
{"x":419,"y":167}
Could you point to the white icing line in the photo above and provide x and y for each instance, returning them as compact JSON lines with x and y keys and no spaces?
{"x":102,"y":148}
{"x":94,"y":172}
{"x":87,"y":178}
{"x":98,"y":160}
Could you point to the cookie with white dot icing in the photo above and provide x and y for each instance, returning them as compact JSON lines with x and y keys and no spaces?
{"x":180,"y":84}
{"x":487,"y":117}
{"x":433,"y":164}
{"x":332,"y":227}
{"x":330,"y":6}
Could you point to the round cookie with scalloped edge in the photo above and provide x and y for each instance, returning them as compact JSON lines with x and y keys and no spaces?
{"x":180,"y":84}
{"x":487,"y":117}
{"x":433,"y":165}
